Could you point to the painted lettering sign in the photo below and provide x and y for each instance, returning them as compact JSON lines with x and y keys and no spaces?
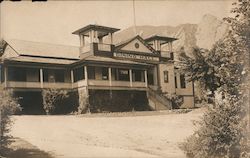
{"x":136,"y":56}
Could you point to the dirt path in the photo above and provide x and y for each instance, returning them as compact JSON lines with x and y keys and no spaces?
{"x":79,"y":136}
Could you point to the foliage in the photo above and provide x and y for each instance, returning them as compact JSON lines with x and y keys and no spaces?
{"x":51,"y":97}
{"x":220,"y":135}
{"x":8,"y":106}
{"x":177,"y":100}
{"x":199,"y":68}
{"x":224,"y":70}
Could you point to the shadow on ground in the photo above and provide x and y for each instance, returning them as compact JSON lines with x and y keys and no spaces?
{"x":28,"y":153}
{"x":22,"y":149}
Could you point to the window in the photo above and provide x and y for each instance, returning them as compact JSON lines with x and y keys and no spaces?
{"x":175,"y":80}
{"x":150,"y":78}
{"x":105,"y":73}
{"x":59,"y":75}
{"x":165,"y":76}
{"x":45,"y":75}
{"x":138,"y":76}
{"x":123,"y":74}
{"x":33,"y":75}
{"x":182,"y":80}
{"x":91,"y":72}
{"x":78,"y":74}
{"x":16,"y":74}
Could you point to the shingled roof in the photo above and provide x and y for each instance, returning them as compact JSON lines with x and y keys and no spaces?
{"x":37,"y":49}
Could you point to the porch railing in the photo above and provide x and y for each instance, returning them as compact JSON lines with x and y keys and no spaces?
{"x":104,"y":47}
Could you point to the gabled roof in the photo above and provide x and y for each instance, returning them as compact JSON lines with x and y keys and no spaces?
{"x":41,"y":60}
{"x":97,"y":28}
{"x":36,"y":49}
{"x":122,"y":44}
{"x":160,"y":38}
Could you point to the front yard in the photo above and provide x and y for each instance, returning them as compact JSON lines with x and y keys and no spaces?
{"x":146,"y":134}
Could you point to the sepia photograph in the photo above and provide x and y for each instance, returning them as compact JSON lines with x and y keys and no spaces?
{"x":124,"y":79}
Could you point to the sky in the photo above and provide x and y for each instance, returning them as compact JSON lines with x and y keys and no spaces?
{"x":54,"y":21}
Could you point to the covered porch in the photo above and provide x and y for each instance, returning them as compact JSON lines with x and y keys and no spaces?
{"x":91,"y":76}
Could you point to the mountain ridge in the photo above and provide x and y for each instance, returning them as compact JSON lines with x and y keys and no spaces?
{"x":204,"y":34}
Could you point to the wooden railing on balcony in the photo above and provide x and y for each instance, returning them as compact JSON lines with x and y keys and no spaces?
{"x":61,"y":85}
{"x":82,"y":83}
{"x":167,"y":54}
{"x":85,"y":49}
{"x":99,"y":47}
{"x":17,"y":84}
{"x":104,"y":47}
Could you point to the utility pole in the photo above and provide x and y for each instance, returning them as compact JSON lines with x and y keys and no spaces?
{"x":134,"y":16}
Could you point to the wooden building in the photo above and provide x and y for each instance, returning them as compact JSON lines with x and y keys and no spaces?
{"x":136,"y":72}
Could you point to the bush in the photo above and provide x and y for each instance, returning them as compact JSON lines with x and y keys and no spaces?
{"x":51,"y":97}
{"x":220,"y":134}
{"x":8,"y":106}
{"x":177,"y":100}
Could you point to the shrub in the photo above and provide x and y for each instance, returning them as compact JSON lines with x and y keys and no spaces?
{"x":8,"y":106}
{"x":51,"y":97}
{"x":220,"y":133}
{"x":177,"y":100}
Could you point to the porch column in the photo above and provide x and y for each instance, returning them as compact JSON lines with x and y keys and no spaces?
{"x":111,"y":38}
{"x":96,"y":37}
{"x":41,"y":77}
{"x":82,"y":40}
{"x":91,"y":34}
{"x":146,"y":78}
{"x":86,"y":74}
{"x":130,"y":77}
{"x":72,"y":77}
{"x":5,"y":76}
{"x":100,"y":40}
{"x":110,"y":77}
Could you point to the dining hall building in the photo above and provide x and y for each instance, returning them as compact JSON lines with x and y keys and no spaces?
{"x":137,"y":74}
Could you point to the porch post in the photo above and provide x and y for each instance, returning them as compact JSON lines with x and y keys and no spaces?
{"x":91,"y":36}
{"x":86,"y":74}
{"x":146,"y":78}
{"x":5,"y":76}
{"x":130,"y":77}
{"x":110,"y":77}
{"x":82,"y":40}
{"x":72,"y":77}
{"x":111,"y":38}
{"x":96,"y":37}
{"x":41,"y":77}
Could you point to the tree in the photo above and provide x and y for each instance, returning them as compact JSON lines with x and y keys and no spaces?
{"x":8,"y":106}
{"x":223,"y":70}
{"x":51,"y":97}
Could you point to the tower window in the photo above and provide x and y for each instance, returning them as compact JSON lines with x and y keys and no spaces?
{"x":165,"y":76}
{"x":175,"y":80}
{"x":183,"y":82}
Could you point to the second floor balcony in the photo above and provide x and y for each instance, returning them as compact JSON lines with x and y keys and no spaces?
{"x":97,"y":47}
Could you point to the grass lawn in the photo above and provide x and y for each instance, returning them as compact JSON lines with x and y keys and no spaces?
{"x":141,"y":134}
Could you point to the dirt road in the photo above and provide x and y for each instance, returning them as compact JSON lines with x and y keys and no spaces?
{"x":82,"y":136}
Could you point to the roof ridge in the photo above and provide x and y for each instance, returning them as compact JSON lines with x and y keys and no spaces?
{"x":7,"y":40}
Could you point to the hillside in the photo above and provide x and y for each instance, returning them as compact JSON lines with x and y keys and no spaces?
{"x":204,"y":35}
